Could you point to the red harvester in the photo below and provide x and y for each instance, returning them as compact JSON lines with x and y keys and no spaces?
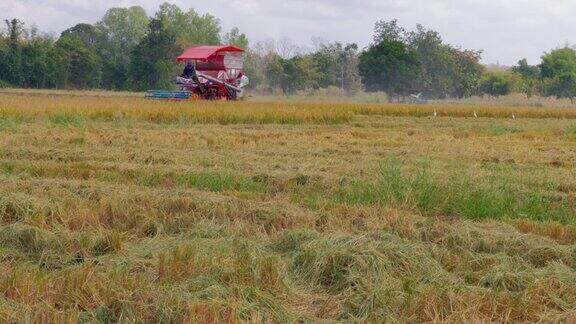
{"x":219,"y":71}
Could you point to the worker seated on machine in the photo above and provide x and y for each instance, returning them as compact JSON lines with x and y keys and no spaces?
{"x":242,"y":80}
{"x":189,"y":76}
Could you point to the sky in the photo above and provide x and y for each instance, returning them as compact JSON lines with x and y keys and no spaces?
{"x":506,"y":30}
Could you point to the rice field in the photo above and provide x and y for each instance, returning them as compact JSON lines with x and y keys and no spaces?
{"x":118,"y":209}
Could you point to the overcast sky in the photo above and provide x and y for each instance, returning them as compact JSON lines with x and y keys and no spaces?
{"x":506,"y":30}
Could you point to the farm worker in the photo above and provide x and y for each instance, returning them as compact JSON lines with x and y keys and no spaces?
{"x":190,"y":73}
{"x":243,"y":80}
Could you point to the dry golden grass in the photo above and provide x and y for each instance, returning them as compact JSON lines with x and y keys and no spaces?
{"x":109,"y":108}
{"x":126,"y":210}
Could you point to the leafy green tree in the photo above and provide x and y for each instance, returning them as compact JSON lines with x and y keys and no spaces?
{"x":401,"y":62}
{"x":563,"y":86}
{"x":4,"y":54}
{"x":56,"y":68}
{"x":122,"y":30}
{"x":91,"y":36}
{"x":34,"y":62}
{"x":351,"y":78}
{"x":530,"y":75}
{"x":274,"y":71}
{"x":435,"y":76}
{"x":152,"y":64}
{"x":526,"y":70}
{"x":557,"y":62}
{"x":236,"y":38}
{"x":80,"y":63}
{"x":558,"y":69}
{"x":299,"y":74}
{"x":467,"y":72}
{"x":388,"y":30}
{"x":389,"y":66}
{"x":497,"y":83}
{"x":12,"y":66}
{"x":337,"y":65}
{"x":328,"y":61}
{"x":190,"y":28}
{"x":124,"y":27}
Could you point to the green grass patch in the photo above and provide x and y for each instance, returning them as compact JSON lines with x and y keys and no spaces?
{"x":497,"y":197}
{"x":500,"y":130}
{"x":68,"y":119}
{"x":219,"y":182}
{"x":9,"y":125}
{"x":571,"y":133}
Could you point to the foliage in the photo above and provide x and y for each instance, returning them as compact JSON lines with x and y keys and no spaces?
{"x":403,"y":63}
{"x":530,"y":77}
{"x":337,"y":65}
{"x":236,"y":38}
{"x":190,"y":28}
{"x":498,"y":83}
{"x":557,"y":62}
{"x":80,"y":64}
{"x":123,"y":52}
{"x":151,"y":64}
{"x":562,"y":86}
{"x":122,"y":29}
{"x":559,"y":71}
{"x":389,"y":66}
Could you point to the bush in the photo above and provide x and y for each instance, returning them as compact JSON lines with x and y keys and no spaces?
{"x":4,"y":84}
{"x":499,"y":83}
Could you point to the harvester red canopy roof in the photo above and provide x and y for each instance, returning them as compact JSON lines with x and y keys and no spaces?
{"x":206,"y":52}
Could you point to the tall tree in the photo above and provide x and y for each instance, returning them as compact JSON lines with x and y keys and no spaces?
{"x":436,"y":64}
{"x":152,"y":64}
{"x":34,"y":62}
{"x":388,"y":30}
{"x":402,"y":62}
{"x":558,"y":69}
{"x":125,"y":27}
{"x":123,"y":30}
{"x":563,"y":86}
{"x":236,"y":38}
{"x":467,"y":72}
{"x":80,"y":63}
{"x":498,"y":83}
{"x":337,"y":65}
{"x":390,"y":66}
{"x":530,"y":75}
{"x":92,"y":36}
{"x":557,"y":62}
{"x":13,"y":56}
{"x":190,"y":28}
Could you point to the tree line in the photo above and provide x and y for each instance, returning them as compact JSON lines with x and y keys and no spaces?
{"x":128,"y":50}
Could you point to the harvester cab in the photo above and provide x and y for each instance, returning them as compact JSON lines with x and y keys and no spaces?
{"x":217,"y":74}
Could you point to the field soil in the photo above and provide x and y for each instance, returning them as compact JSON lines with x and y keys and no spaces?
{"x":118,"y":209}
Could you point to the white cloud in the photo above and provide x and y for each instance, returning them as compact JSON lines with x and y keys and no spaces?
{"x":506,"y":30}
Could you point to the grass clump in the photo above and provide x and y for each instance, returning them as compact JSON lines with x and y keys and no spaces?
{"x":500,"y":130}
{"x":219,"y":182}
{"x":8,"y":125}
{"x":571,"y":133}
{"x":68,"y":119}
{"x":497,"y":197}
